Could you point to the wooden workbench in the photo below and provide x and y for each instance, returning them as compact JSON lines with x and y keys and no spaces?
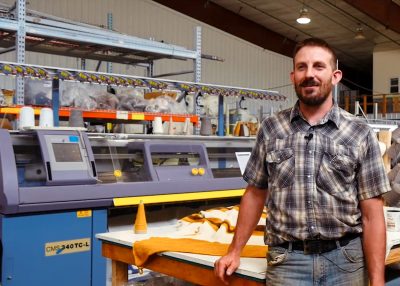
{"x":194,"y":268}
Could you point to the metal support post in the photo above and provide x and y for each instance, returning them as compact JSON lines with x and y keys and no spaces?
{"x":261,"y":114}
{"x":83,"y":64}
{"x":20,"y":44}
{"x":56,"y":100}
{"x":150,"y":69}
{"x":375,"y":110}
{"x":197,"y":72}
{"x":356,"y":108}
{"x":109,"y":27}
{"x":221,"y":162}
{"x":221,"y":117}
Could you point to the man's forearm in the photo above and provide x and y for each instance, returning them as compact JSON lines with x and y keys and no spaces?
{"x":251,"y":207}
{"x":374,"y":245}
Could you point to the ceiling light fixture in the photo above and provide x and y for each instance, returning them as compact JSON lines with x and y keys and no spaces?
{"x":304,"y":18}
{"x":359,"y":33}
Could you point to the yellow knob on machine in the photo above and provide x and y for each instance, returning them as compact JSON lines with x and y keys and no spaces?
{"x":202,"y":171}
{"x":117,"y":173}
{"x":195,"y":171}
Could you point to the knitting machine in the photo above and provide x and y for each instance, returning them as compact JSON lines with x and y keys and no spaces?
{"x":57,"y":185}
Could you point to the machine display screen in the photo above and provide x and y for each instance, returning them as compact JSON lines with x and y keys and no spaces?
{"x":67,"y":152}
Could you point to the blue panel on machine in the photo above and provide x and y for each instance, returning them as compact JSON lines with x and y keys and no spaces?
{"x":49,"y":249}
{"x":73,"y":139}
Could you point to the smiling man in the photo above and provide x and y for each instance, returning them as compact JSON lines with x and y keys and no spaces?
{"x":319,"y":171}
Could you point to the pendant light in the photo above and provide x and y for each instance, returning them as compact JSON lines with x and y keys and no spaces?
{"x":359,"y":33}
{"x":304,"y":17}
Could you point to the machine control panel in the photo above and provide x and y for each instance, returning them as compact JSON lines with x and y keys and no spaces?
{"x":67,"y":156}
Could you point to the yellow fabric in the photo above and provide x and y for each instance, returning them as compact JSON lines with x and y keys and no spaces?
{"x":143,"y":249}
{"x":207,"y":232}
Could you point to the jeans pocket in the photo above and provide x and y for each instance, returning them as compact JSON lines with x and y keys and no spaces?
{"x":353,"y":254}
{"x":276,"y":255}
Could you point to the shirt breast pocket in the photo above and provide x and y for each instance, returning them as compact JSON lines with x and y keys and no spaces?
{"x":280,"y":168}
{"x":336,"y":172}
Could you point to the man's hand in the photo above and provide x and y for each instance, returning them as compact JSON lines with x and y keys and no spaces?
{"x":250,"y":210}
{"x":225,"y":266}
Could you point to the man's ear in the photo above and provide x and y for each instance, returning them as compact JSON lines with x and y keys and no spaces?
{"x":336,"y":77}
{"x":292,"y":77}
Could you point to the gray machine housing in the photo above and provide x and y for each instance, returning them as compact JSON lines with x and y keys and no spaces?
{"x":28,"y":185}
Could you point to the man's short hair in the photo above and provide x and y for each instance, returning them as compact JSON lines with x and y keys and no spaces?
{"x":316,"y":42}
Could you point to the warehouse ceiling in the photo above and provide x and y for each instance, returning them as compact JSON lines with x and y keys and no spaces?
{"x":272,"y":25}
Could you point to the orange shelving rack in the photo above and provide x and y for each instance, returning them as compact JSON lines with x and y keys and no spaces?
{"x":110,"y":114}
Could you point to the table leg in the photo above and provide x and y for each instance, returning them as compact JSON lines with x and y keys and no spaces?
{"x":119,"y":273}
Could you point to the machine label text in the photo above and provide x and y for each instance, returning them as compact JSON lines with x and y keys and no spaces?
{"x":67,"y":246}
{"x":84,"y":213}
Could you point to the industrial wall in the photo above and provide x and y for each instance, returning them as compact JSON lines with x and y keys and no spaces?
{"x":244,"y":64}
{"x":386,"y":65}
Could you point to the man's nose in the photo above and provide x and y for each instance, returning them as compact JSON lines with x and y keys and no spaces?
{"x":309,"y":72}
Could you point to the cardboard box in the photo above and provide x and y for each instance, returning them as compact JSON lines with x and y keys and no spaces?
{"x":156,"y":94}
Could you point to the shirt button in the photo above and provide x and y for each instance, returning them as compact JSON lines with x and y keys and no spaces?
{"x":310,"y":152}
{"x":312,"y":227}
{"x":308,"y":176}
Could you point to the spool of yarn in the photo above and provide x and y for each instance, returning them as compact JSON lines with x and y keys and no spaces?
{"x":236,"y":131}
{"x":186,"y":126}
{"x":206,"y":127}
{"x":157,"y":125}
{"x":140,"y":221}
{"x":26,"y":117}
{"x":46,"y":117}
{"x":76,"y":118}
{"x":244,"y":130}
{"x":171,"y":130}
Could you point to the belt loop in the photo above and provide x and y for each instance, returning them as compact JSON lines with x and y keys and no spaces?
{"x":337,"y":244}
{"x":290,"y":246}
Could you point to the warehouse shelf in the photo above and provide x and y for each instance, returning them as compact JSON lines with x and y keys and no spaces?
{"x":89,"y":42}
{"x":27,"y":30}
{"x":23,"y":29}
{"x":109,"y":114}
{"x":45,"y":72}
{"x":96,"y":78}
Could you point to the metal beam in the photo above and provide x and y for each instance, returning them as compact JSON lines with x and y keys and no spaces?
{"x":385,"y":12}
{"x":232,"y":23}
{"x":106,"y":38}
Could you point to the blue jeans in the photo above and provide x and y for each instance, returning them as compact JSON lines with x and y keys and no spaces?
{"x":343,"y":266}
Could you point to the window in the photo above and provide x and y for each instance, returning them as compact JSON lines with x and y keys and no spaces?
{"x":394,"y":85}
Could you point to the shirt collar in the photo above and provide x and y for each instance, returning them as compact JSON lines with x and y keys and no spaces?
{"x":333,"y":115}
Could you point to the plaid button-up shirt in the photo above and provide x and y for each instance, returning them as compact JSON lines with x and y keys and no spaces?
{"x":316,"y":175}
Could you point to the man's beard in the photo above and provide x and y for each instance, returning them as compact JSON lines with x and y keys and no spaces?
{"x":313,"y":100}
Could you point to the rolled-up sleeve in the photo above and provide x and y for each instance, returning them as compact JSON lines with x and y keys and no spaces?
{"x":256,"y":173}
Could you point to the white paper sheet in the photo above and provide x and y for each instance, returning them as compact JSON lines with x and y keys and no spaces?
{"x":242,"y":158}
